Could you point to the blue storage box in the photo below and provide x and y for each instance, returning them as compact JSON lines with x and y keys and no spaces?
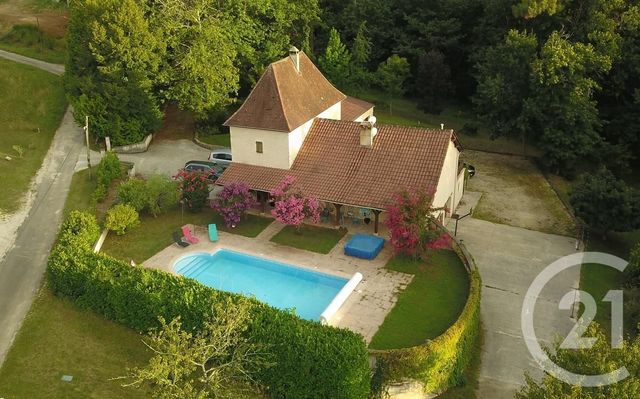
{"x":364,"y":246}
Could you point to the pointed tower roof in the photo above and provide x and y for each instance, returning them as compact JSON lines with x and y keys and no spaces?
{"x":285,"y":98}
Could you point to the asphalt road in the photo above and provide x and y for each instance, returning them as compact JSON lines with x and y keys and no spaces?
{"x":23,"y":267}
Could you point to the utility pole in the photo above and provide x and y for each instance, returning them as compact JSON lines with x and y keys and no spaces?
{"x":86,"y":136}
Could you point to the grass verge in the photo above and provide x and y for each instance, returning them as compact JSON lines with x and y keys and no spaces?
{"x":32,"y":103}
{"x":597,"y":279}
{"x":310,"y":238}
{"x":79,"y":196}
{"x":223,"y":140}
{"x":154,"y":234}
{"x":28,"y":40}
{"x":59,"y":339}
{"x":429,"y":305}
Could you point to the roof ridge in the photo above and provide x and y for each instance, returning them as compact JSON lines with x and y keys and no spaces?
{"x":263,"y":76}
{"x":378,"y":124}
{"x":277,"y":83}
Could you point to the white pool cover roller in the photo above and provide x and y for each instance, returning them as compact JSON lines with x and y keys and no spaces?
{"x":341,"y":298}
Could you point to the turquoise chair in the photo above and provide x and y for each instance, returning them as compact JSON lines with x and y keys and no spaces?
{"x":213,"y":232}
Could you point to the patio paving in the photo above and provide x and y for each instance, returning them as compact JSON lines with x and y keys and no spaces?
{"x":365,"y":309}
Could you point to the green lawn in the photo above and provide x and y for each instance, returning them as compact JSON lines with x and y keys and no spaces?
{"x":154,"y":234}
{"x":59,"y":339}
{"x":251,"y":226}
{"x":310,"y":238}
{"x":223,"y":140}
{"x":405,"y":111}
{"x":32,"y":103}
{"x":429,"y":305}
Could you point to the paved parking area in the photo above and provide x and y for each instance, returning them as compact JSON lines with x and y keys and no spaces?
{"x":509,"y":258}
{"x":164,"y":157}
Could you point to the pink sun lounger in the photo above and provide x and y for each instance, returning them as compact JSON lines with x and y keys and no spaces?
{"x":187,"y":234}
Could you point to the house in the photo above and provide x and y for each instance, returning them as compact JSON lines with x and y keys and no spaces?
{"x":295,"y":122}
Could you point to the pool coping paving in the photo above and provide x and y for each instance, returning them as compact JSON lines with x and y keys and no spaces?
{"x":365,"y":309}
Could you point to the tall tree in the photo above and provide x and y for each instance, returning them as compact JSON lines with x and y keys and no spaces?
{"x":561,"y":106}
{"x":216,"y":362}
{"x":504,"y":74}
{"x":433,"y":81}
{"x":336,"y":61}
{"x":112,"y":58}
{"x":197,"y":75}
{"x":360,"y":53}
{"x":391,"y":76}
{"x":533,"y":8}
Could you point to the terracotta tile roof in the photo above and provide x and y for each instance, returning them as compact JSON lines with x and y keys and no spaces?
{"x":354,"y":107}
{"x":333,"y":166}
{"x":284,"y":99}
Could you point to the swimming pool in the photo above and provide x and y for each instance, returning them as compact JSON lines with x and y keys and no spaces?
{"x":280,"y":285}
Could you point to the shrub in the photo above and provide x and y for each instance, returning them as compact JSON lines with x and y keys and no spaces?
{"x":292,"y":207}
{"x":155,"y":196}
{"x":99,"y":194}
{"x":29,"y":36}
{"x":108,"y":170}
{"x":411,"y":223}
{"x":194,"y":187}
{"x":133,"y":192}
{"x":232,"y":202}
{"x":162,"y":194}
{"x":80,"y":230}
{"x":121,"y":217}
{"x":311,"y":360}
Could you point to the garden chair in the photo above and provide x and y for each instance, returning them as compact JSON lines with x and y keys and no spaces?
{"x":213,"y":232}
{"x":187,"y":234}
{"x":179,"y":240}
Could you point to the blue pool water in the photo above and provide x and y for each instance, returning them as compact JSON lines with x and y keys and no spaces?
{"x":280,"y":285}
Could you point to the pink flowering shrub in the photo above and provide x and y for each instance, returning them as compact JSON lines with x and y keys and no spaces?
{"x":194,"y":187}
{"x":232,"y":202}
{"x":292,"y":207}
{"x":411,"y":224}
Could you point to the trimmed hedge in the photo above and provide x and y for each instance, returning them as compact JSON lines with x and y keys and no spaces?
{"x":311,"y":360}
{"x":440,"y":363}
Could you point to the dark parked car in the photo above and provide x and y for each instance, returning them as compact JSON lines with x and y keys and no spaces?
{"x":207,"y":166}
{"x":470,"y":169}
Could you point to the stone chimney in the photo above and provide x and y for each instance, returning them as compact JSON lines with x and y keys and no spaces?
{"x":368,"y":131}
{"x":294,"y":53}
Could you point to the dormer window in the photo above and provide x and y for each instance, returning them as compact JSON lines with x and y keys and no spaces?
{"x":259,"y":147}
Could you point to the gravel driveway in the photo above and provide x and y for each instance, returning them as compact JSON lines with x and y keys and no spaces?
{"x":516,"y":193}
